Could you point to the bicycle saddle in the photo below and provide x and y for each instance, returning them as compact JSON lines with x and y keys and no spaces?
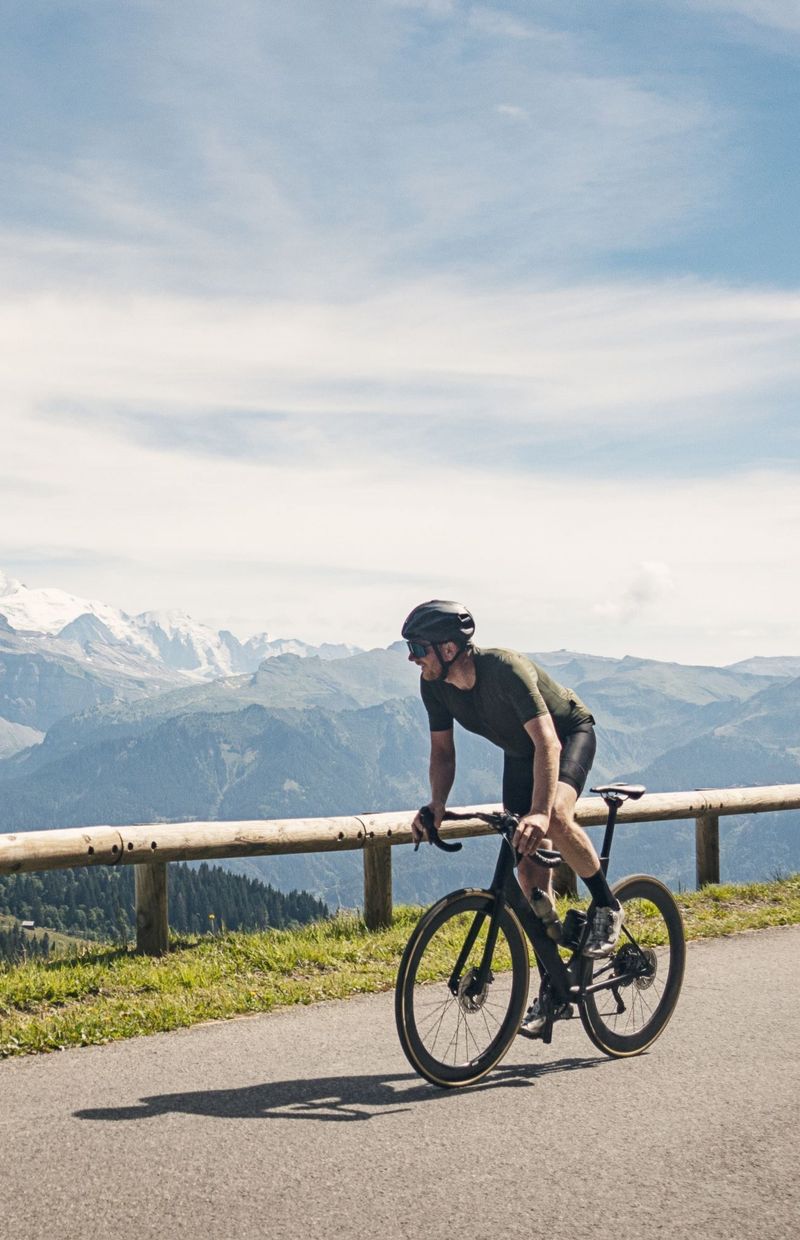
{"x":620,"y":792}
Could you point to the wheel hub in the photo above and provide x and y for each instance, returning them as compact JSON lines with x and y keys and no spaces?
{"x":635,"y":966}
{"x":469,"y":997}
{"x":645,"y":979}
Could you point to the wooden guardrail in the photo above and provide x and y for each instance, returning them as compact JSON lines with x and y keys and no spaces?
{"x":150,"y":847}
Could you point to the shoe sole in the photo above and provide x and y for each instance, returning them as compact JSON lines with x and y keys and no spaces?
{"x":537,"y":1033}
{"x":594,"y":953}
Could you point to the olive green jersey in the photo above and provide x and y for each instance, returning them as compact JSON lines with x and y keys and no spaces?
{"x":510,"y":689}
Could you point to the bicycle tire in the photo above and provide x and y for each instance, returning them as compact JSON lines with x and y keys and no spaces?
{"x":654,"y":921}
{"x":430,"y":1015}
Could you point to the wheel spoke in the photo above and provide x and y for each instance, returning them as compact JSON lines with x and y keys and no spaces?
{"x":452,"y":1037}
{"x":652,"y":936}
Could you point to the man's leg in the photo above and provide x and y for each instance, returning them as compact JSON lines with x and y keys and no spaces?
{"x":571,"y":841}
{"x":579,"y":852}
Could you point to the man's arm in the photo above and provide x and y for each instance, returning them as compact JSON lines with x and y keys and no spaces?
{"x":534,"y":826}
{"x":442,"y":773}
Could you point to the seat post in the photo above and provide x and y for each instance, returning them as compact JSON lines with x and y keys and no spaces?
{"x":614,"y":795}
{"x":612,"y":802}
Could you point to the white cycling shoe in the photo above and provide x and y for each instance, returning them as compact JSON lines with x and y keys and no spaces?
{"x":604,"y":931}
{"x":533,"y":1020}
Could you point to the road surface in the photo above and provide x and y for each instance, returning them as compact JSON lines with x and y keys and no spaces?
{"x":309,"y":1123}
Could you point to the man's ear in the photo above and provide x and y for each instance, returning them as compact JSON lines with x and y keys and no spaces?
{"x":448,"y":650}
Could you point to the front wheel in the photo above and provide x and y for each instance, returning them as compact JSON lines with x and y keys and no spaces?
{"x":641,"y":980}
{"x":454,"y":1028}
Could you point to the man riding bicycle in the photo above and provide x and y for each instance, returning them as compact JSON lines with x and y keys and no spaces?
{"x":548,"y":740}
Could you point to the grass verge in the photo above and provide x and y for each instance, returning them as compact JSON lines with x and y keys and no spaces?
{"x":108,"y":993}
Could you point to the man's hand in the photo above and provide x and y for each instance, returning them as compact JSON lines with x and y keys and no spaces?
{"x":529,"y":834}
{"x":418,"y":831}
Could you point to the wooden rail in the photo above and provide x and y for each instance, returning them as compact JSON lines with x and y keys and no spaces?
{"x":149,"y":847}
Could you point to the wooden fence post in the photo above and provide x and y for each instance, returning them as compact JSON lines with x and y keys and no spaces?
{"x":706,"y":840}
{"x":377,"y":884}
{"x":152,"y":925}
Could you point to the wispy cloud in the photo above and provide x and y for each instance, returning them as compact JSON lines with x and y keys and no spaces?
{"x":244,"y":169}
{"x":783,"y":15}
{"x":597,"y":354}
{"x":650,"y":585}
{"x":505,"y":25}
{"x":263,"y":542}
{"x":287,"y":286}
{"x":512,"y":110}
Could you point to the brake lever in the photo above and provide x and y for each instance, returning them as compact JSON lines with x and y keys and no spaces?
{"x":546,"y":857}
{"x":426,"y":814}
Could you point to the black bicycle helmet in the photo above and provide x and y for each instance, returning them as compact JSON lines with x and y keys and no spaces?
{"x":439,"y":620}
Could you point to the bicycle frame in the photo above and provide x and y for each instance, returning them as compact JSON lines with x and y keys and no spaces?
{"x":507,"y":891}
{"x":562,"y":975}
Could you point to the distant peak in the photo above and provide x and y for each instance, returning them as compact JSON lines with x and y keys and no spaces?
{"x":168,"y":615}
{"x":86,"y":625}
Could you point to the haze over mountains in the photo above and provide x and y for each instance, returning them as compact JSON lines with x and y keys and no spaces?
{"x":110,"y":718}
{"x":63,"y":654}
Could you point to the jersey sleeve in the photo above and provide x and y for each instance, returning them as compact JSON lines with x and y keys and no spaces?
{"x":520,"y":686}
{"x":440,"y":718}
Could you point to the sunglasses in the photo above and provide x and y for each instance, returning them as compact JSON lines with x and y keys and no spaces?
{"x":418,"y":649}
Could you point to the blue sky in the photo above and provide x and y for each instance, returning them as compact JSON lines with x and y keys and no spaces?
{"x":310,"y":311}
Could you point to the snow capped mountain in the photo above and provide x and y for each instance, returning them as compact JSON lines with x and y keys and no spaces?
{"x":166,"y":640}
{"x":15,"y":737}
{"x":50,"y":610}
{"x":262,"y":646}
{"x":188,"y":646}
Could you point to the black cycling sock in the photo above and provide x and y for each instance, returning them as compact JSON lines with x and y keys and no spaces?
{"x":600,"y":890}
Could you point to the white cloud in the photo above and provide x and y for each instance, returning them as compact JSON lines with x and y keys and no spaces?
{"x":600,"y":354}
{"x":433,"y":8}
{"x":776,"y":14}
{"x":651,"y":584}
{"x":334,"y":545}
{"x":264,"y":163}
{"x":342,"y":549}
{"x":512,"y":110}
{"x":498,"y":23}
{"x":259,"y":221}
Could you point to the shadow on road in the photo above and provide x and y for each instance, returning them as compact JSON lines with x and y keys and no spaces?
{"x":336,"y":1098}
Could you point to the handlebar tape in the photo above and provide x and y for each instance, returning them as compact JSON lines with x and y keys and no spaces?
{"x":426,"y":814}
{"x":504,"y":822}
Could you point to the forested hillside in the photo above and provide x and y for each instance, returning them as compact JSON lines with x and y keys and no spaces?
{"x":17,"y":944}
{"x":98,"y":903}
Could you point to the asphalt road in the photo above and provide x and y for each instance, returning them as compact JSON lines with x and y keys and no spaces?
{"x":309,"y":1123}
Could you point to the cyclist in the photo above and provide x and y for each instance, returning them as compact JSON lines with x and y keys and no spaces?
{"x":548,"y":740}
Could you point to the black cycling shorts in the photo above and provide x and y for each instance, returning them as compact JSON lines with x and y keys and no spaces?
{"x":577,"y":756}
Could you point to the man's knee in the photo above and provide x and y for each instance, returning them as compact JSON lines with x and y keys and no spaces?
{"x":564,"y":802}
{"x":562,"y":819}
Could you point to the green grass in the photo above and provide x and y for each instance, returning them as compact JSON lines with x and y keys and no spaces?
{"x":107,"y":993}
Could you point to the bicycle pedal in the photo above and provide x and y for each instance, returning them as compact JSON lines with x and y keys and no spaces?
{"x":534,"y":1034}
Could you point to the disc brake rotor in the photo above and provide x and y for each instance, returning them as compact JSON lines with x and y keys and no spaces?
{"x":469,"y":1001}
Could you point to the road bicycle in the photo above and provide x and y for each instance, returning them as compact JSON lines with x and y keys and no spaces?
{"x":462,"y":987}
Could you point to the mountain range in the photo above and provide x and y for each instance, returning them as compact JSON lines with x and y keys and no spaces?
{"x":95,"y":729}
{"x":60,"y":654}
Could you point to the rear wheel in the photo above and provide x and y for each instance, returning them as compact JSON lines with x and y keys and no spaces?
{"x":453,"y":1030}
{"x":645,"y":971}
